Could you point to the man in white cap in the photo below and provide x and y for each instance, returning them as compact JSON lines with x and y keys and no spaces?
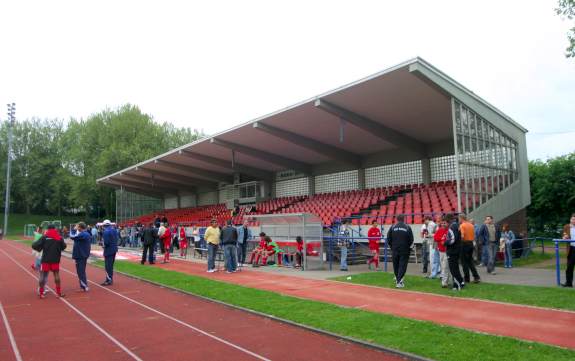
{"x":110,"y":238}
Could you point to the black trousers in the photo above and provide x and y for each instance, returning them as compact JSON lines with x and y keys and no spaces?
{"x":400,"y":260}
{"x":570,"y":266}
{"x":81,"y":271}
{"x":243,"y":247}
{"x":467,"y":261}
{"x":453,"y":261}
{"x":149,"y":251}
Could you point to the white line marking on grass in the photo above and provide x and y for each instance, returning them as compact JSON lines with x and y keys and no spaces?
{"x":10,"y":334}
{"x":90,"y":321}
{"x":205,"y":333}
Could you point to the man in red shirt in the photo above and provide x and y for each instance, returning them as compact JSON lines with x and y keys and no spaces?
{"x":374,"y":236}
{"x":259,"y":250}
{"x":166,"y":239}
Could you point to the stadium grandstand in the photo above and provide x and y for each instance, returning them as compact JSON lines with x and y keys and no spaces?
{"x":407,"y":140}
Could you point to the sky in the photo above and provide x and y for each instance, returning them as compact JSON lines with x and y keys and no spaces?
{"x":212,"y":65}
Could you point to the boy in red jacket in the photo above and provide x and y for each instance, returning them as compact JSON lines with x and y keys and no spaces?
{"x":439,"y":238}
{"x":183,"y":242}
{"x":374,"y":236}
{"x":51,"y":245}
{"x":166,"y":238}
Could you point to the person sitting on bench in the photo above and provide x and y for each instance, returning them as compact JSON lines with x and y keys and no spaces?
{"x":265,"y":252}
{"x":259,"y":249}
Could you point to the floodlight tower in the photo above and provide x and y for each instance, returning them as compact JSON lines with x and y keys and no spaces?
{"x":11,"y":119}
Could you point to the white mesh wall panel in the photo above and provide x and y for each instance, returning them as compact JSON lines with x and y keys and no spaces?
{"x":171,"y":202}
{"x":394,"y":174}
{"x":336,"y":182}
{"x":292,"y":187}
{"x":442,"y":168}
{"x":228,"y":193}
{"x":208,"y":198}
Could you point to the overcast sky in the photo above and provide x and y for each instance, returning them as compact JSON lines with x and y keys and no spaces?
{"x":216,"y":64}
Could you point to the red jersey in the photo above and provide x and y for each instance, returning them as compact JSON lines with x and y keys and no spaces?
{"x":374,"y":235}
{"x":167,"y":237}
{"x":182,"y":234}
{"x":299,"y":246}
{"x":263,"y":244}
{"x":439,"y":238}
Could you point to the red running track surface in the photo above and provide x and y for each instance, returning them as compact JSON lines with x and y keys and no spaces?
{"x":554,"y":327}
{"x":150,"y":322}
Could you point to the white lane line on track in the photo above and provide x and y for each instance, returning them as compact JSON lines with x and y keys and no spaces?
{"x":10,"y":334}
{"x":110,"y":337}
{"x":237,"y":347}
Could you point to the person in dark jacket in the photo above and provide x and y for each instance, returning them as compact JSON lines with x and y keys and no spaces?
{"x":453,"y":251}
{"x":81,"y":251}
{"x":229,"y":240}
{"x":400,"y":238}
{"x":149,"y":236}
{"x":110,"y":242}
{"x":51,"y":244}
{"x":489,"y":235}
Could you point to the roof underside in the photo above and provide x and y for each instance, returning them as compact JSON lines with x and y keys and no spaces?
{"x":393,"y":111}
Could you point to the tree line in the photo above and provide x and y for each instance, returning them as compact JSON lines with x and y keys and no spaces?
{"x":55,"y":164}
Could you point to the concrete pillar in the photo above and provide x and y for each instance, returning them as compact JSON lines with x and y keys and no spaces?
{"x":361,"y":178}
{"x":311,"y":184}
{"x":426,"y":170}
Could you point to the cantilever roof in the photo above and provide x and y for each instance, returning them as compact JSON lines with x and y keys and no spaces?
{"x":403,"y":112}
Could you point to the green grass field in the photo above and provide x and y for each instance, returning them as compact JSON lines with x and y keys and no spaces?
{"x":553,"y":297}
{"x":417,"y":337}
{"x":16,"y":222}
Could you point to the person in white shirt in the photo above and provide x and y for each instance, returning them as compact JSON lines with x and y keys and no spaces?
{"x":428,"y":230}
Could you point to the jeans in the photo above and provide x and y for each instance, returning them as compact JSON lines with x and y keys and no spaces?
{"x":492,"y":249}
{"x":212,"y":250}
{"x":343,"y":260}
{"x":424,"y":256}
{"x":485,"y":255}
{"x":508,"y":255}
{"x":230,"y":256}
{"x":242,"y":250}
{"x":434,"y":258}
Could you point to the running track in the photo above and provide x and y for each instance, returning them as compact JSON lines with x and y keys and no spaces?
{"x":134,"y":320}
{"x":554,"y":327}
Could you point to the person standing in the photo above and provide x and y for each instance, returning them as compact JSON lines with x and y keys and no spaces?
{"x":374,"y":237}
{"x":508,"y":239}
{"x":212,"y":237}
{"x":489,"y":235}
{"x":183,"y":242}
{"x":81,"y":251}
{"x":166,"y":240}
{"x":467,"y":238}
{"x":110,"y":244}
{"x":569,"y":233}
{"x":453,"y":251}
{"x":343,"y":242}
{"x":51,"y":244}
{"x":244,"y":235}
{"x":148,"y":241}
{"x":400,"y":239}
{"x":428,"y":230}
{"x":440,"y":237}
{"x":94,"y":234}
{"x":229,"y":238}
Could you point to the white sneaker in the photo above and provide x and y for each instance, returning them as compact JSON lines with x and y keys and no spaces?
{"x":399,"y":285}
{"x":211,"y":271}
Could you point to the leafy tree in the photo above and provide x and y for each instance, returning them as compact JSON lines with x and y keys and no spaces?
{"x":552,"y":194}
{"x":566,"y":8}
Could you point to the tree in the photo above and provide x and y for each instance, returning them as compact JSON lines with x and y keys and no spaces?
{"x":552,"y":194}
{"x":566,"y":8}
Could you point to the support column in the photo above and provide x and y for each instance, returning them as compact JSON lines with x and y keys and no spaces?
{"x":361,"y":179}
{"x":311,"y":184}
{"x":426,"y":170}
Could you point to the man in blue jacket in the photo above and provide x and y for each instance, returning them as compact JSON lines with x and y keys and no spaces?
{"x":244,"y":235}
{"x":489,"y":235}
{"x":110,"y":242}
{"x":81,"y":251}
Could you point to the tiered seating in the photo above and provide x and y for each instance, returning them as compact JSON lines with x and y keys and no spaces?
{"x":382,"y":204}
{"x":329,"y":206}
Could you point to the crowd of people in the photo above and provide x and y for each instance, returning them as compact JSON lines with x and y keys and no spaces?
{"x":450,"y":244}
